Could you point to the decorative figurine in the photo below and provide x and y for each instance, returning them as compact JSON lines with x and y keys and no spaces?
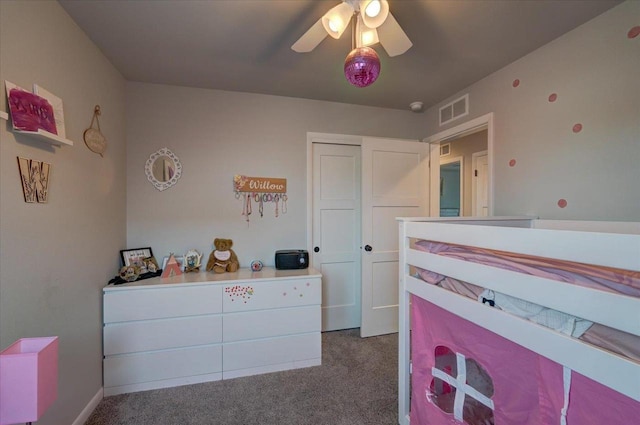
{"x":192,"y":261}
{"x":151,"y":264}
{"x":172,"y":268}
{"x":130,"y":273}
{"x":256,"y":265}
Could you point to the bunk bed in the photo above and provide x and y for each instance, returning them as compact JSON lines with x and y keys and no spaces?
{"x":515,"y":321}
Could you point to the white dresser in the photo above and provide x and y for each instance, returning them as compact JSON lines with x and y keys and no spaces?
{"x":201,"y":327}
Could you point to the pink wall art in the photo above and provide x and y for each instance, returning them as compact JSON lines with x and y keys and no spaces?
{"x":29,"y":112}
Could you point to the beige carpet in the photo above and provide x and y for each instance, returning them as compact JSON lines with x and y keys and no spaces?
{"x":356,"y":385}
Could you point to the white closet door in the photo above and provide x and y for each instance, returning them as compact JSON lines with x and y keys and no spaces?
{"x":395,"y":183}
{"x":336,"y":232}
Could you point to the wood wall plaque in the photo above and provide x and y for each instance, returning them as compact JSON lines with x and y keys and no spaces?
{"x":259,"y":184}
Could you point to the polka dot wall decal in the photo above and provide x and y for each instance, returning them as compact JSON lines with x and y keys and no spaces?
{"x":512,"y":163}
{"x":634,"y":32}
{"x":562,"y":203}
{"x":516,"y":83}
{"x":577,"y":128}
{"x":553,"y":97}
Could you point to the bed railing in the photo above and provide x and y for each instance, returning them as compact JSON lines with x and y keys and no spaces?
{"x":610,"y":309}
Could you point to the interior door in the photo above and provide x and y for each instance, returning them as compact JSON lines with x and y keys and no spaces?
{"x":395,"y":183}
{"x":481,"y":185}
{"x":336,"y":232}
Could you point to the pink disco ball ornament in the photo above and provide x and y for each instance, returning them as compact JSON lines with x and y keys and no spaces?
{"x":362,"y":66}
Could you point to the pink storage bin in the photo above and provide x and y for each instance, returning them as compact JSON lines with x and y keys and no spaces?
{"x":28,"y":379}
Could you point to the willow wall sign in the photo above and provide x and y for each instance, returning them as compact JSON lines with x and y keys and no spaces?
{"x":261,"y":191}
{"x":259,"y":184}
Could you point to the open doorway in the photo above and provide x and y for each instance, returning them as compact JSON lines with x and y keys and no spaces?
{"x":472,"y":142}
{"x":471,"y":179}
{"x":452,"y":187}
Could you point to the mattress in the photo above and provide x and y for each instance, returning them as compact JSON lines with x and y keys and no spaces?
{"x":606,"y":279}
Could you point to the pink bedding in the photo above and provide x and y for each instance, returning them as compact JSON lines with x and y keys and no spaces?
{"x":607,"y":279}
{"x":604,"y":278}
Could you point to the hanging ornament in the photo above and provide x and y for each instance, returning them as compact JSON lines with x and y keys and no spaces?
{"x":362,"y":65}
{"x":93,"y":137}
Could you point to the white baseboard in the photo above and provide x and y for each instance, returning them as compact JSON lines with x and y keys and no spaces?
{"x":89,"y":408}
{"x":163,"y":383}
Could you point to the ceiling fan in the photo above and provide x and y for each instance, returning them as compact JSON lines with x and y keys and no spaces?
{"x":373,"y":23}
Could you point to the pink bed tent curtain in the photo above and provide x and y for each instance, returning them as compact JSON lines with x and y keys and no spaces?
{"x":525,"y":388}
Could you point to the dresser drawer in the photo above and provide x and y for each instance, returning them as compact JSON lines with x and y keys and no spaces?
{"x":245,"y":296}
{"x":148,"y":335}
{"x":270,"y":323}
{"x":157,"y":303}
{"x":271,"y":351}
{"x":158,"y":365}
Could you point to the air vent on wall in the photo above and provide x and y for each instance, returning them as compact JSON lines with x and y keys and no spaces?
{"x":445,"y":149}
{"x":454,"y":110}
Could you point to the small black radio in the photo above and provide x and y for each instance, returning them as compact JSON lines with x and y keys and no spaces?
{"x":290,"y":259}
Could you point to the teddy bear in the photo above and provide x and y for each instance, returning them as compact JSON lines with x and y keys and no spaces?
{"x":222,"y":258}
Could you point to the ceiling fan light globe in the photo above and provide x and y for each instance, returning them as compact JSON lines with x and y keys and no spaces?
{"x":369,"y":37}
{"x":336,"y":24}
{"x":370,"y":5}
{"x":362,"y":67}
{"x":372,"y":9}
{"x":335,"y":21}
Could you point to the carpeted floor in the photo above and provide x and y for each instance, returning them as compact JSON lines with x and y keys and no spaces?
{"x":356,"y":385}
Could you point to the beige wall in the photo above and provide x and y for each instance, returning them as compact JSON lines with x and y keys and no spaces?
{"x":217,"y":134}
{"x":594,"y":72}
{"x":56,"y":257}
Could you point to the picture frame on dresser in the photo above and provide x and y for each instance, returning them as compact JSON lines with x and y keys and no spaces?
{"x":136,"y":257}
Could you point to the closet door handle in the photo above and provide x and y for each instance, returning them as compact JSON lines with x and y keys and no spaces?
{"x":368,"y":248}
{"x":316,"y":249}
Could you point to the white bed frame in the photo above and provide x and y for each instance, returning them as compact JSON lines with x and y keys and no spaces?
{"x":611,"y":244}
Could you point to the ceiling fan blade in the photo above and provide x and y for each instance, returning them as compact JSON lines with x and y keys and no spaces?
{"x":393,"y":38}
{"x":311,"y":38}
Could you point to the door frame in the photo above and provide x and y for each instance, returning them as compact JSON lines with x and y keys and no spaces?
{"x":472,"y":126}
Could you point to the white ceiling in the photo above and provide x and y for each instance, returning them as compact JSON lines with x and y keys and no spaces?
{"x":245,"y":45}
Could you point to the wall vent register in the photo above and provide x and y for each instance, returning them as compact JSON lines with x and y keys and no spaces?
{"x":454,"y":110}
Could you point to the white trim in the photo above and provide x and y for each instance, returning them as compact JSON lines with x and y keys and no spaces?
{"x":163,"y":383}
{"x":4,"y":115}
{"x":89,"y":408}
{"x":464,"y":129}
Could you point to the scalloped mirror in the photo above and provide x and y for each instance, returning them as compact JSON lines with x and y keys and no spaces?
{"x":163,"y":169}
